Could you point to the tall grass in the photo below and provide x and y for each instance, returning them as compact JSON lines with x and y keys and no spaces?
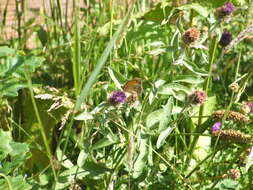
{"x":159,"y":138}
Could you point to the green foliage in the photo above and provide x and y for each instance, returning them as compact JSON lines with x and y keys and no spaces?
{"x":161,"y":137}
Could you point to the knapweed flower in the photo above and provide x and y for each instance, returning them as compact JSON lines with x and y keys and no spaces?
{"x":216,"y":127}
{"x":225,"y":39}
{"x":198,"y":97}
{"x":250,"y":104}
{"x":225,"y":10}
{"x":191,"y":35}
{"x":234,"y":87}
{"x":232,"y":115}
{"x":233,"y":136}
{"x":117,"y":97}
{"x":232,"y":174}
{"x":244,"y":108}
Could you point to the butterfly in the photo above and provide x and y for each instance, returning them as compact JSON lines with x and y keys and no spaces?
{"x":133,"y":86}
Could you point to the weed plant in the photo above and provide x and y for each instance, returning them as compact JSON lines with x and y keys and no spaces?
{"x":127,"y":95}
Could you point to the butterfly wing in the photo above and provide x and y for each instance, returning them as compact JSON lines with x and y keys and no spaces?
{"x":133,"y":86}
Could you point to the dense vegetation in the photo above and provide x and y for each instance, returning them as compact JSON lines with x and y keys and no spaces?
{"x":130,"y":95}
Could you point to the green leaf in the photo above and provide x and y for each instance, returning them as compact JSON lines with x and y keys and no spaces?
{"x":162,"y":137}
{"x":42,"y":35}
{"x":141,"y":160}
{"x":17,"y":183}
{"x":229,"y":184}
{"x":202,"y":147}
{"x":84,"y":116}
{"x":209,"y":106}
{"x":82,"y":158}
{"x":158,"y":13}
{"x":103,"y":143}
{"x":19,"y":149}
{"x":5,"y":147}
{"x":194,"y":68}
{"x":6,"y":51}
{"x":102,"y":60}
{"x":191,"y":79}
{"x":154,"y":117}
{"x":66,"y":162}
{"x":167,"y":111}
{"x":178,"y":91}
{"x":249,"y":160}
{"x":203,"y":11}
{"x":117,"y":78}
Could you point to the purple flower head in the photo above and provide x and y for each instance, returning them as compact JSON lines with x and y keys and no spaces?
{"x":226,"y":38}
{"x":250,"y":104}
{"x":228,"y":7}
{"x":216,"y":126}
{"x":225,"y":10}
{"x":198,"y":97}
{"x":118,"y":97}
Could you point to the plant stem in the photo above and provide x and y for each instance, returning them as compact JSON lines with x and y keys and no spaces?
{"x":201,"y":111}
{"x":40,"y":124}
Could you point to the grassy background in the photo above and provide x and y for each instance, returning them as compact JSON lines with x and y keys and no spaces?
{"x":60,"y":132}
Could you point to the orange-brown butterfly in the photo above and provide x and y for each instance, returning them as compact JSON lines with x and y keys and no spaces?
{"x":133,"y":86}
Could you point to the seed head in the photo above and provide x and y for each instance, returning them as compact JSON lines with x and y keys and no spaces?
{"x":233,"y":136}
{"x":226,"y":38}
{"x":232,"y":115}
{"x":198,"y":97}
{"x":117,"y":97}
{"x":191,"y":35}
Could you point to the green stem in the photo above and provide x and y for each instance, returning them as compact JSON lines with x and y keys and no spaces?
{"x":77,"y":50}
{"x":201,"y":111}
{"x":41,"y":127}
{"x":8,"y":181}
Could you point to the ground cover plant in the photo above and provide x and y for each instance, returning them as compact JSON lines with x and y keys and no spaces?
{"x":129,"y":95}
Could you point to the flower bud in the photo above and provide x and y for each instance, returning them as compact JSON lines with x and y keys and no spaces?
{"x":226,"y":38}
